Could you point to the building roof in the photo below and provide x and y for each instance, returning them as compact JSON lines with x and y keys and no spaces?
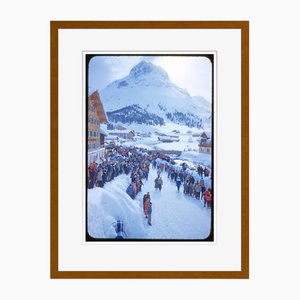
{"x":119,"y":131}
{"x":119,"y":127}
{"x":103,"y":132}
{"x":206,"y":134}
{"x":95,"y":98}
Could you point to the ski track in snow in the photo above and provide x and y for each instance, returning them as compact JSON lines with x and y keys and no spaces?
{"x":175,"y":215}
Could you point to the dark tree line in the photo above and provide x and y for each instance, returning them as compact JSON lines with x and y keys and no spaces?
{"x":134,"y":114}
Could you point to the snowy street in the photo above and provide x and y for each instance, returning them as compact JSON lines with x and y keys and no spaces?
{"x":175,"y":215}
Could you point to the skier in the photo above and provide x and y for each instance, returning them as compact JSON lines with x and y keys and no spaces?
{"x":149,"y":212}
{"x":178,"y":183}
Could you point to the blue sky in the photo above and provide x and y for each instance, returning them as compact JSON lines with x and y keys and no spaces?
{"x":189,"y":72}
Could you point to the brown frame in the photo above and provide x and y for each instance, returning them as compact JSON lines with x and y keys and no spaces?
{"x":55,"y":26}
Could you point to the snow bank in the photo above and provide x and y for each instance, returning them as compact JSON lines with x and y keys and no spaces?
{"x":107,"y":205}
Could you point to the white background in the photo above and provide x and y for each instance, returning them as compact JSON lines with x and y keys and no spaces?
{"x":274,"y":213}
{"x":222,"y":255}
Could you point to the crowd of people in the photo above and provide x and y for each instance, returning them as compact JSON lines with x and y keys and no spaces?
{"x":136,"y":163}
{"x":139,"y":171}
{"x":182,"y":177}
{"x":119,"y":160}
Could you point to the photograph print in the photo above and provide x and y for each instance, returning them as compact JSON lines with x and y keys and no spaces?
{"x":149,"y":147}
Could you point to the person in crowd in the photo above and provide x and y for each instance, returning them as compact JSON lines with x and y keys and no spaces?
{"x":146,"y":204}
{"x":186,"y":186}
{"x":200,"y":170}
{"x":169,"y":173}
{"x":172,"y":175}
{"x":159,"y":182}
{"x":202,"y":185}
{"x":99,"y":182}
{"x":178,"y":183}
{"x":145,"y":198}
{"x":104,"y":176}
{"x":92,"y":175}
{"x":120,"y":230}
{"x":197,"y":190}
{"x":130,"y":191}
{"x":207,"y":198}
{"x":206,"y":172}
{"x":176,"y":175}
{"x":149,"y":213}
{"x":191,"y":189}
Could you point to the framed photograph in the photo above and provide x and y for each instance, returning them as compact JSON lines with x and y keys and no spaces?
{"x":149,"y":149}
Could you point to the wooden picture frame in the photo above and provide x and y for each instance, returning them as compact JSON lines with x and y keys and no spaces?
{"x":243,"y":27}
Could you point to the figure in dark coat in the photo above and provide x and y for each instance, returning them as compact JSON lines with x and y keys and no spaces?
{"x":149,"y":213}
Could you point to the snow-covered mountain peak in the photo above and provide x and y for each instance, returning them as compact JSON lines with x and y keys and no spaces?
{"x":158,"y":99}
{"x":145,"y":68}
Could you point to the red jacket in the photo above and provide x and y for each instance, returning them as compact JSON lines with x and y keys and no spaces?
{"x":146,"y":206}
{"x":207,"y":196}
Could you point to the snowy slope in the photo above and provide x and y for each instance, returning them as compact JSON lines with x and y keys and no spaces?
{"x":109,"y":204}
{"x":150,"y":87}
{"x":203,"y":104}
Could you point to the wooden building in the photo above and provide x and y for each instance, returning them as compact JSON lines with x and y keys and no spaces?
{"x":96,"y":135}
{"x":205,"y":143}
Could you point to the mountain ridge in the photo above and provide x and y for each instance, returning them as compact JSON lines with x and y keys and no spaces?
{"x":149,"y":86}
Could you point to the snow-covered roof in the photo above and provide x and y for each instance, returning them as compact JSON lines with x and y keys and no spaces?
{"x":103,"y":132}
{"x":208,"y":134}
{"x":111,"y":137}
{"x":116,"y":131}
